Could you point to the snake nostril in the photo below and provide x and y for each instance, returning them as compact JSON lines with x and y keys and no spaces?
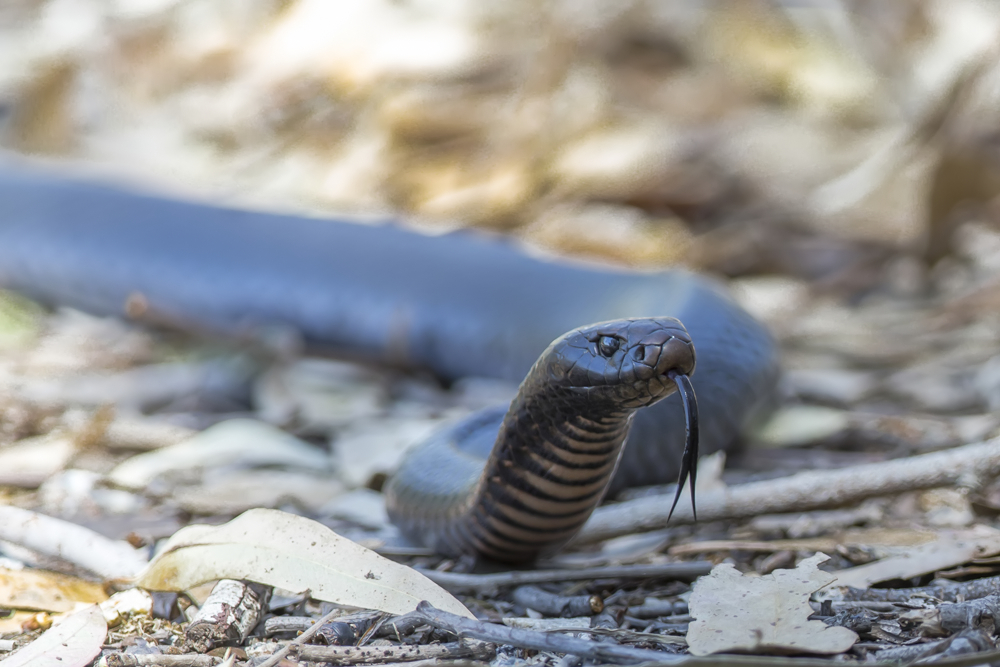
{"x":639,"y":352}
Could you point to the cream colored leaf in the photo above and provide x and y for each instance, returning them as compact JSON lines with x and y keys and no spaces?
{"x":74,"y":642}
{"x":46,"y":591}
{"x":766,"y":614}
{"x":237,"y":442}
{"x":950,"y":549}
{"x":294,"y":553}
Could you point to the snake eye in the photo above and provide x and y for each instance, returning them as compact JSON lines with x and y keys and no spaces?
{"x":607,"y":345}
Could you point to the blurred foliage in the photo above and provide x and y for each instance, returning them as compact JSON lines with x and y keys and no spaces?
{"x":744,"y":136}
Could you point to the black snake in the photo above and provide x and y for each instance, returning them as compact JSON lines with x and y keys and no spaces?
{"x":458,"y":304}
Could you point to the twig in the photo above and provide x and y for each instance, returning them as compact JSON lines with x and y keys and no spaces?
{"x":952,"y":618}
{"x":636,"y":636}
{"x":553,"y":604}
{"x":805,"y":491}
{"x":373,"y":655}
{"x":141,"y":660}
{"x":109,"y":559}
{"x":944,"y":590}
{"x":278,"y":655}
{"x":541,"y":641}
{"x":852,"y":606}
{"x":456,"y":582}
{"x":436,"y":662}
{"x":398,"y":626}
{"x":654,"y":608}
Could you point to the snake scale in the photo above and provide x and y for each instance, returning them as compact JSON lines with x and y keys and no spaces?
{"x":459,"y":304}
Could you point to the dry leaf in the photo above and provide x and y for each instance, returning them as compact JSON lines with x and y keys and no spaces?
{"x":950,"y":549}
{"x":74,"y":642}
{"x":237,"y":442}
{"x":33,"y":460}
{"x":294,"y":553}
{"x":766,"y":614}
{"x":45,"y":591}
{"x":126,"y":603}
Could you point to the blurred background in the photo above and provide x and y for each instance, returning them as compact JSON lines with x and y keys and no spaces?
{"x":839,"y":160}
{"x":825,"y":139}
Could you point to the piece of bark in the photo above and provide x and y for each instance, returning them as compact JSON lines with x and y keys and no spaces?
{"x":228,"y":616}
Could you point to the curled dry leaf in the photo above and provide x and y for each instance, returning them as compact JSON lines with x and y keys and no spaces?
{"x":74,"y":642}
{"x":766,"y":614}
{"x":294,"y":553}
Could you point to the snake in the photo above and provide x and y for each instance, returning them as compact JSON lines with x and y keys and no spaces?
{"x":555,"y":448}
{"x":459,"y":304}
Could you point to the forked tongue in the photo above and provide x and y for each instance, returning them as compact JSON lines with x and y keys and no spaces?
{"x":689,"y":460}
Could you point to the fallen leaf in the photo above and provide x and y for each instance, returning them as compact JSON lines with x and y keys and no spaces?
{"x":797,"y":425}
{"x":234,"y":491}
{"x":950,"y":549}
{"x":45,"y":591}
{"x":237,"y":442}
{"x":73,"y":642}
{"x":33,"y":460}
{"x":319,"y":394}
{"x":361,"y":506}
{"x":294,"y":553}
{"x":360,"y":453}
{"x":768,"y":614}
{"x":126,"y":603}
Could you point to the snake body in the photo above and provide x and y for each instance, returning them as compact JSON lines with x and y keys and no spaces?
{"x":458,"y":304}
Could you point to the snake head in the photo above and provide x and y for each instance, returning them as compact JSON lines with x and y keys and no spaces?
{"x":619,"y":366}
{"x":625,"y":364}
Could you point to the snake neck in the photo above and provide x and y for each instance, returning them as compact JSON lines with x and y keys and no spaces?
{"x":555,"y":453}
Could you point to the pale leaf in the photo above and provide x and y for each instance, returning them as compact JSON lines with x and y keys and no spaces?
{"x":768,"y":614}
{"x":294,"y":553}
{"x":950,"y":549}
{"x":74,"y":642}
{"x":46,"y":591}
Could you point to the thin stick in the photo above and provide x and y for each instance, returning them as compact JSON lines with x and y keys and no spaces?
{"x":541,"y":641}
{"x":456,"y":582}
{"x":374,"y":655}
{"x":811,"y":490}
{"x":278,"y":655}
